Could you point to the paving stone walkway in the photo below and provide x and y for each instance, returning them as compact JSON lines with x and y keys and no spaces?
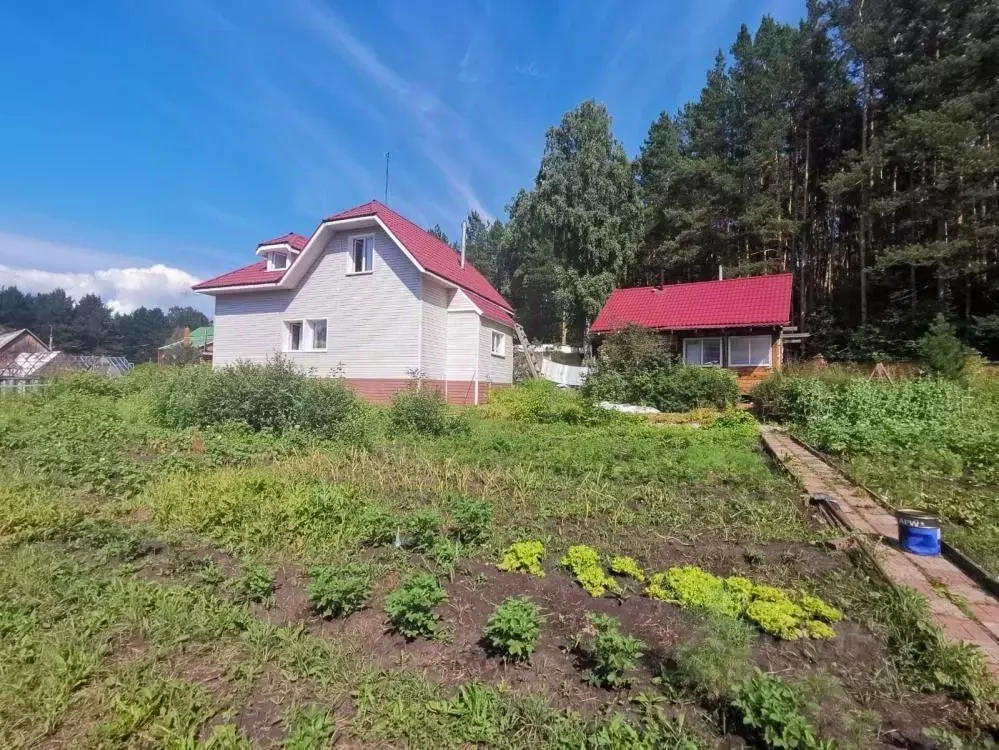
{"x":975,"y":621}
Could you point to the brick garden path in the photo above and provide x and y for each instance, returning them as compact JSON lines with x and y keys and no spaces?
{"x":976,"y":621}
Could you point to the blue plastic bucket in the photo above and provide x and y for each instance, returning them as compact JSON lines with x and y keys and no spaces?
{"x":918,"y":532}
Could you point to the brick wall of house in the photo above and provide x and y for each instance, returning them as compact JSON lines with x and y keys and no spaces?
{"x":458,"y":393}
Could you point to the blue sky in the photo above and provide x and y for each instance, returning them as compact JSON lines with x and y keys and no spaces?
{"x":145,"y":144}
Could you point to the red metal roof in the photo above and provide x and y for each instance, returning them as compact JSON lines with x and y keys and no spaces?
{"x":297,"y":241}
{"x":749,"y":301}
{"x":435,"y":256}
{"x":430,"y":252}
{"x":255,"y":273}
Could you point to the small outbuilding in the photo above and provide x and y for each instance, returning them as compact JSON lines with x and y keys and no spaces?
{"x":734,"y":323}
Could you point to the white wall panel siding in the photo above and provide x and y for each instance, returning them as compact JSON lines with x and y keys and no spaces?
{"x":373,"y":320}
{"x":247,"y":326}
{"x":460,"y":301}
{"x":495,"y":369}
{"x":434,"y":337}
{"x":462,"y":346}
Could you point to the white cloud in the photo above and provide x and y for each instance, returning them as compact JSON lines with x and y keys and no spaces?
{"x":122,"y":289}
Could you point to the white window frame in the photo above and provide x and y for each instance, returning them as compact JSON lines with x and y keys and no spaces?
{"x":288,"y":324}
{"x":307,"y":338}
{"x":369,"y":254}
{"x":701,"y":340}
{"x":272,"y":262}
{"x":770,"y":345}
{"x":499,"y":351}
{"x":311,"y":325}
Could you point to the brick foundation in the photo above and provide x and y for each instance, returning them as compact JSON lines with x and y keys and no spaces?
{"x":459,"y":393}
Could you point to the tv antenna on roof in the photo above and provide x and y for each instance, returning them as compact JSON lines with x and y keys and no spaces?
{"x":386,"y":176}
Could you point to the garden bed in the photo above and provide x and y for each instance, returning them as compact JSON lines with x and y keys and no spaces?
{"x":190,"y":573}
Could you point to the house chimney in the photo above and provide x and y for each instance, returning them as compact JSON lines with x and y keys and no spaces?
{"x":464,"y":227}
{"x":721,"y":273}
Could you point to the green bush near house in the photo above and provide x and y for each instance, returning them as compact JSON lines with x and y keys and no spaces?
{"x":275,"y":396}
{"x":543,"y":402}
{"x":635,"y":367}
{"x":423,"y":411}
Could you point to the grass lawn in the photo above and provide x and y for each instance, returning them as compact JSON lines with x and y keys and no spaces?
{"x":161,"y":587}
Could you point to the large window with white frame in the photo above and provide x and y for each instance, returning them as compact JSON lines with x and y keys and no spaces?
{"x":305,"y":335}
{"x":361,"y":253}
{"x":706,"y":352}
{"x":498,"y":344}
{"x":749,"y":351}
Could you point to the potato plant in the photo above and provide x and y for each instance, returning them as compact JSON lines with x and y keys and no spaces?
{"x":513,"y":628}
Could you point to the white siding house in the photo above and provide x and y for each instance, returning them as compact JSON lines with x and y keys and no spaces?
{"x":372,"y":297}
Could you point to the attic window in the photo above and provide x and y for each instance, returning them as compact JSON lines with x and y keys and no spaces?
{"x":360,"y":253}
{"x":279,"y":261}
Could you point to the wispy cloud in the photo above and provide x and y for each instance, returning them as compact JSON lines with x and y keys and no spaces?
{"x":531,"y":70}
{"x":443,"y":135}
{"x":465,"y":74}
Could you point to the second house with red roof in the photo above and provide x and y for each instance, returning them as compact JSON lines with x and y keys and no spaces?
{"x":370,"y":296}
{"x":736,"y":323}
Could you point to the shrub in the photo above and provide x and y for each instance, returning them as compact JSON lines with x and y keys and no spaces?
{"x":423,"y":527}
{"x":86,"y":383}
{"x":771,"y":710}
{"x":542,"y":402}
{"x":685,"y":387}
{"x":473,"y":520}
{"x":423,"y":411}
{"x":329,"y":409}
{"x":272,"y":396}
{"x":612,"y":653}
{"x":264,"y":396}
{"x":634,"y":350}
{"x":584,"y":563}
{"x":513,"y":628}
{"x":941,"y":351}
{"x":717,"y":659}
{"x":675,"y":388}
{"x":623,"y":565}
{"x":410,"y":608}
{"x":524,"y":557}
{"x":339,"y":590}
{"x":257,"y":583}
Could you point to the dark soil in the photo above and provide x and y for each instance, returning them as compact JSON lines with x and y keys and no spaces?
{"x":853,"y":659}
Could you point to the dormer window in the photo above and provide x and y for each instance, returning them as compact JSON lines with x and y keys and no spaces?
{"x":277,"y":261}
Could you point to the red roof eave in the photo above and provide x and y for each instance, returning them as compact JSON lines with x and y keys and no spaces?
{"x":255,"y":274}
